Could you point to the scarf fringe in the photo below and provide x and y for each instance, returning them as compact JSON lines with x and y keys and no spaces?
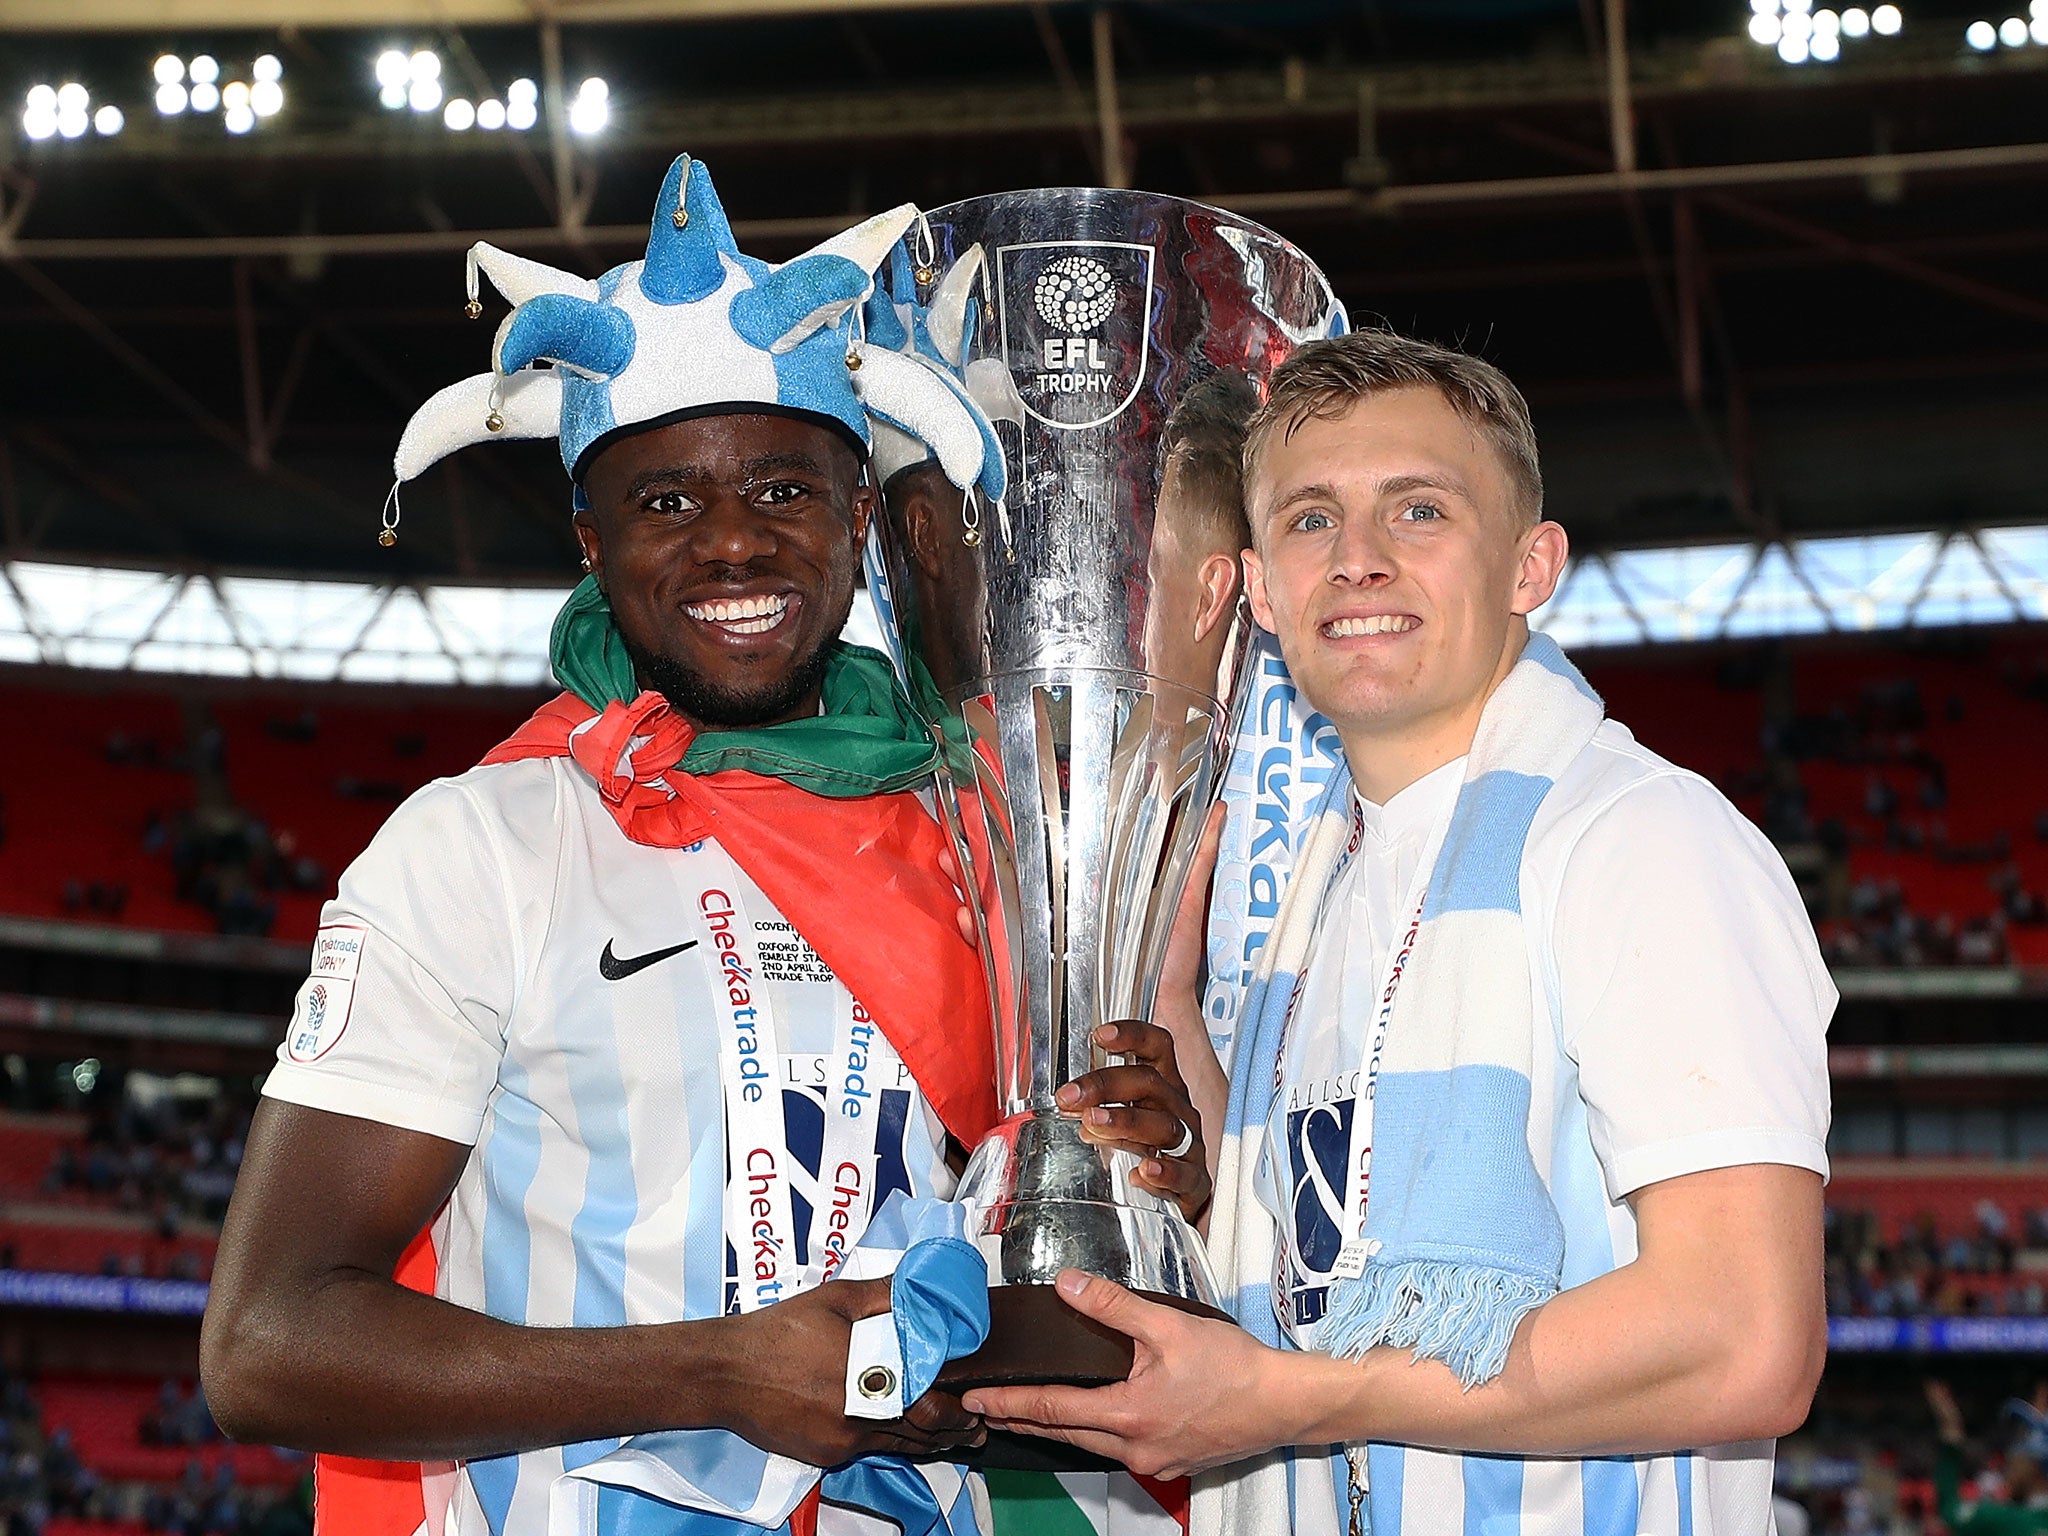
{"x":1462,"y":1314}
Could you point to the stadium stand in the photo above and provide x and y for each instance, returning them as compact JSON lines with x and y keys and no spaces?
{"x":230,"y":814}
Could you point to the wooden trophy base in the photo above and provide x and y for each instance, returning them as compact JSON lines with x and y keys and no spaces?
{"x":1036,"y":1339}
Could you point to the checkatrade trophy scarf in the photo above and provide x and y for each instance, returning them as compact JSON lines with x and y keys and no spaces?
{"x":1463,"y":1236}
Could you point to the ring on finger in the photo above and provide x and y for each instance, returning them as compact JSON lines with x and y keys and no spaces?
{"x":1186,"y":1143}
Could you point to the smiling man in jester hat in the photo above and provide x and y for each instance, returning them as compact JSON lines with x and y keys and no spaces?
{"x":613,"y":1045}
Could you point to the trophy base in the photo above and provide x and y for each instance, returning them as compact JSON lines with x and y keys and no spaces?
{"x":1036,"y":1339}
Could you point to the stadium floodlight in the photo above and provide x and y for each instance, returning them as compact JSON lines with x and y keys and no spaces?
{"x":1764,"y":7}
{"x":459,"y":115}
{"x":1886,"y":20}
{"x":1855,"y":22}
{"x":170,"y":69}
{"x":521,"y":115}
{"x":239,"y":119}
{"x":2039,"y":28}
{"x":393,"y":68}
{"x":1825,"y":48}
{"x":170,"y":98}
{"x":1981,"y":35}
{"x":423,"y":95}
{"x":266,"y":98}
{"x":108,"y":121}
{"x":490,"y":114}
{"x":522,"y":89}
{"x":267,"y":67}
{"x":204,"y":69}
{"x":1766,"y":30}
{"x":2013,"y":32}
{"x":392,"y":97}
{"x":72,"y":125}
{"x":205,"y":96}
{"x":424,"y":65}
{"x":72,"y":97}
{"x":236,"y":96}
{"x":39,"y":112}
{"x":1793,"y":50}
{"x":1798,"y":25}
{"x":1826,"y":24}
{"x":591,"y":109}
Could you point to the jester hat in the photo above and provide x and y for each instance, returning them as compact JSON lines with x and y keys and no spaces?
{"x":695,"y":328}
{"x":938,"y":334}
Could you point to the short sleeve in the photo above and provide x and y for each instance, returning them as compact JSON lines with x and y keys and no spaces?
{"x":1694,"y":998}
{"x":415,"y":970}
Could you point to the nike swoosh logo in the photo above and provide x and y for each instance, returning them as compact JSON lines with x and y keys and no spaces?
{"x":612,"y":968}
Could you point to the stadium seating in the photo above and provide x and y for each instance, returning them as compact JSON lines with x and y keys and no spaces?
{"x":105,"y":1417}
{"x":28,"y":1146}
{"x":71,"y":815}
{"x":1976,"y":705}
{"x":325,"y":774}
{"x":1900,"y":1192}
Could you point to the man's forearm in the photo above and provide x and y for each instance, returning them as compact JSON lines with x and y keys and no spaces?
{"x":1715,"y":1333}
{"x":1613,"y":1367}
{"x":364,"y":1367}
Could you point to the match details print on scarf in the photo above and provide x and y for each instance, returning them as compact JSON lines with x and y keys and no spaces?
{"x":531,"y":982}
{"x":1281,"y":762}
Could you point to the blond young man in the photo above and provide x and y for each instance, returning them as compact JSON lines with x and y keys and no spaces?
{"x":1615,"y":1345}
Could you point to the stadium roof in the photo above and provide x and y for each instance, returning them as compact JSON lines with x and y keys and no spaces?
{"x":440,"y":633}
{"x":1786,"y":300}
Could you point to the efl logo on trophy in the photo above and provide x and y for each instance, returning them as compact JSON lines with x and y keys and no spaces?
{"x":1074,"y":316}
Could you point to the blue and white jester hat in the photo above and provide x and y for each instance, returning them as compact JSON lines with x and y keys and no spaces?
{"x":938,"y":334}
{"x":694,"y":328}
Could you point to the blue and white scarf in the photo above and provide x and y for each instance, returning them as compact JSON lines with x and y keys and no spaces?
{"x":1463,"y":1236}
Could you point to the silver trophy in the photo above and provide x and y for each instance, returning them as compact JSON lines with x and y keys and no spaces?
{"x":1076,"y":648}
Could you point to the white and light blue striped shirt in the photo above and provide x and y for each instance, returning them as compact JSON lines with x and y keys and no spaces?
{"x":1688,"y":1005}
{"x":504,"y":969}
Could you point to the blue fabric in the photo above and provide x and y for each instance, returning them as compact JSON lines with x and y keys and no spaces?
{"x":685,"y":265}
{"x":594,"y":337}
{"x":1494,"y":812}
{"x":1612,"y":1495}
{"x":586,"y":413}
{"x":763,"y":314}
{"x":1471,"y":1196}
{"x":1493,"y":1496}
{"x":939,"y":1295}
{"x":813,"y":372}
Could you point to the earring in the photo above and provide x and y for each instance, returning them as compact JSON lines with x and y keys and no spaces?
{"x":587,"y":566}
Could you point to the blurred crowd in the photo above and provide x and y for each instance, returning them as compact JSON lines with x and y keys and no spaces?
{"x":174,"y":1160}
{"x":42,"y":1478}
{"x":222,"y":857}
{"x":1918,"y":1469}
{"x":1993,"y":1269}
{"x":1889,"y":731}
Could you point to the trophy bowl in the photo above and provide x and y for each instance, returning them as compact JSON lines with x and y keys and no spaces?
{"x":1076,"y":649}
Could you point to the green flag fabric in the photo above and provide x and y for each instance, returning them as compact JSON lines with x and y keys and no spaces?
{"x":868,"y":741}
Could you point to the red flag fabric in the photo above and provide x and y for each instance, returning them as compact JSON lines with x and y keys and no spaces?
{"x":859,"y":878}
